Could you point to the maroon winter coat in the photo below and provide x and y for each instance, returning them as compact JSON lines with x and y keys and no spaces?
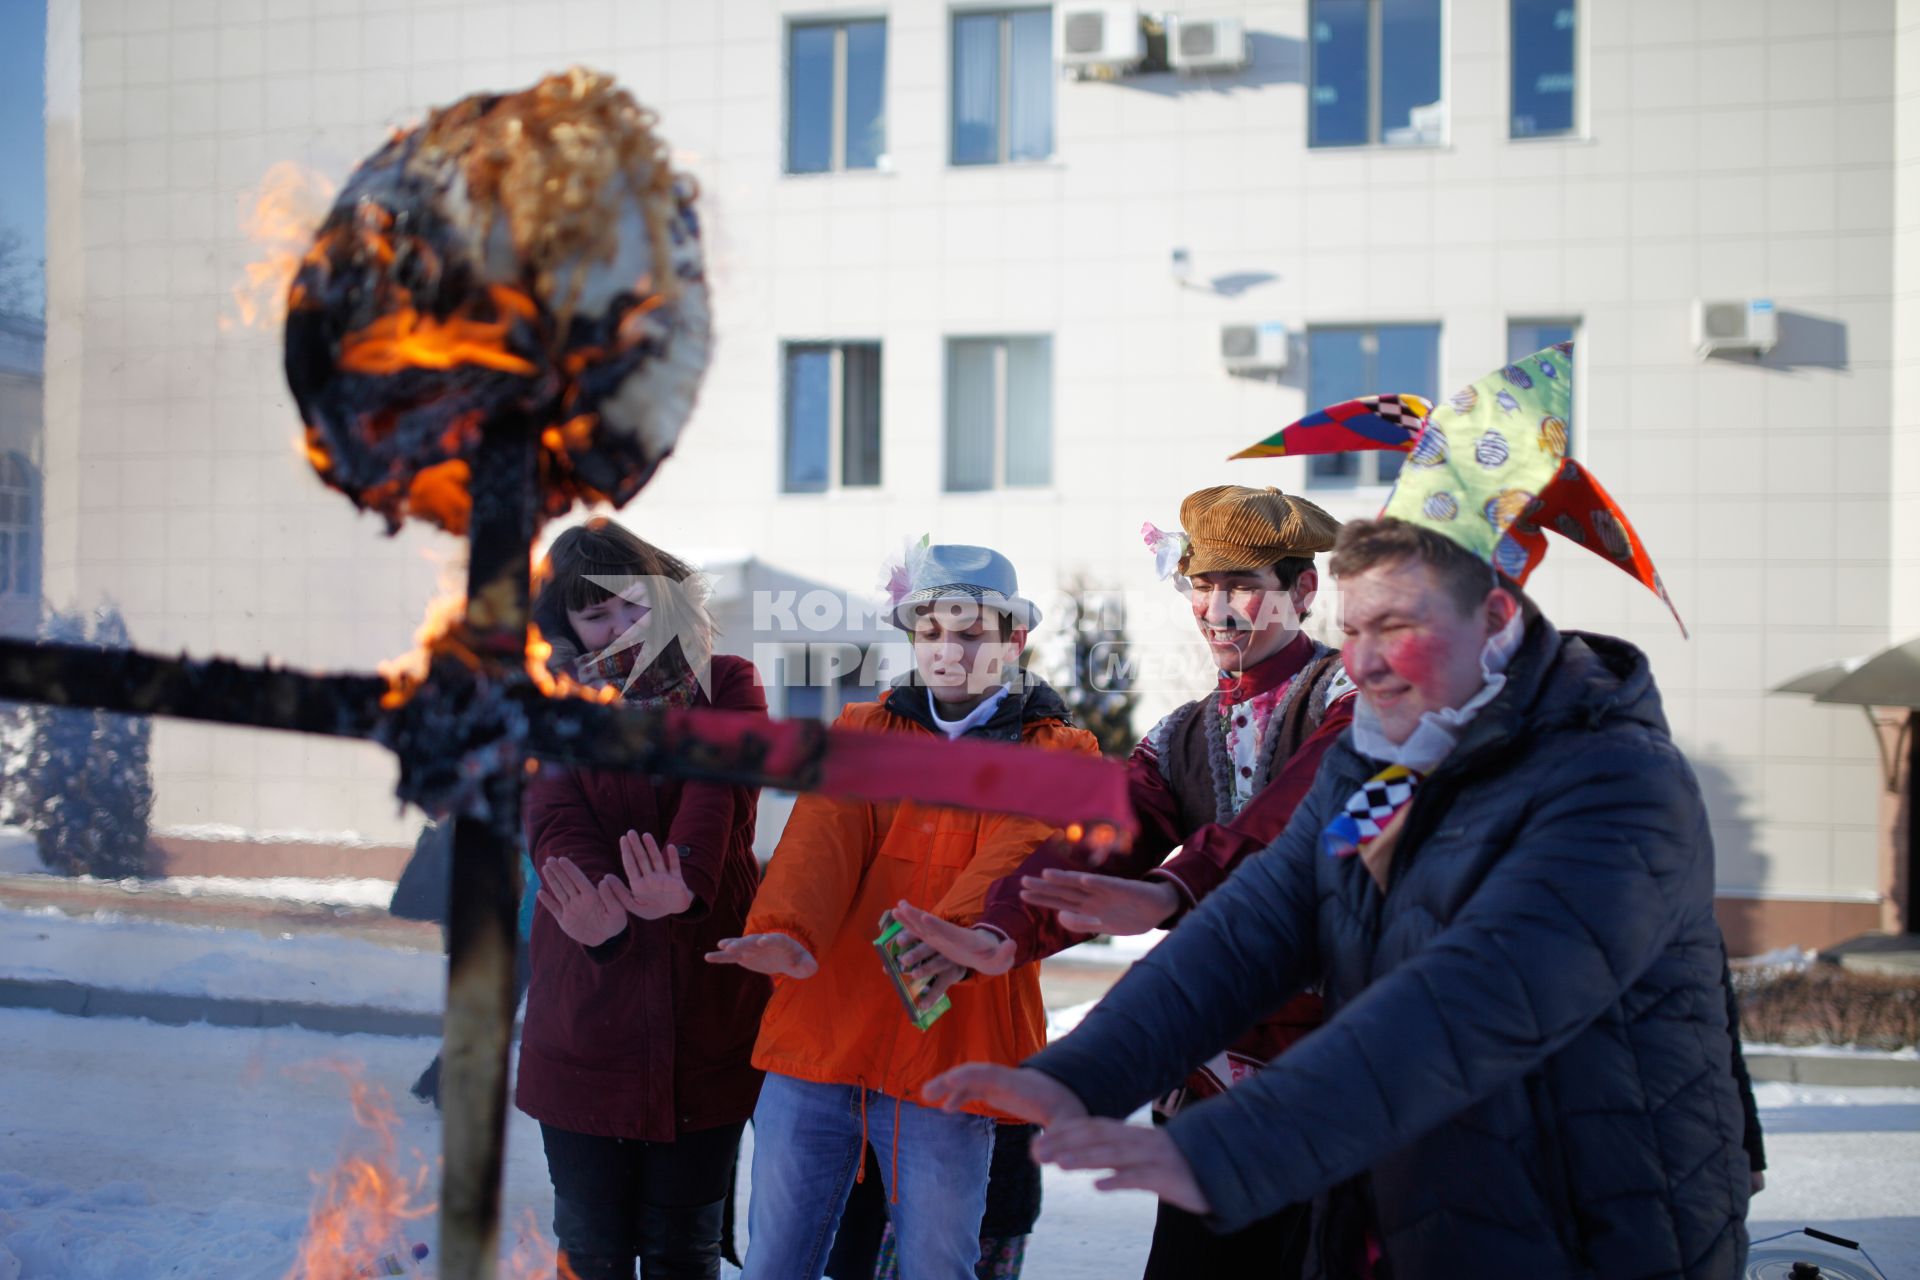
{"x":641,"y":1038}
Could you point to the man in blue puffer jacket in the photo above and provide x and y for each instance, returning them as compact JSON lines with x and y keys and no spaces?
{"x":1504,"y":878}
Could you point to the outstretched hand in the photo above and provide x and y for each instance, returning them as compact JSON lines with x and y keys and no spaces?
{"x":588,"y":915}
{"x":1019,"y":1091}
{"x":770,"y":953}
{"x":655,"y":887}
{"x":981,"y":950}
{"x":1141,"y":1159}
{"x":1090,"y":903}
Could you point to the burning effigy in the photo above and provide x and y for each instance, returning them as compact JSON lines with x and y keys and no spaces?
{"x":527,"y":257}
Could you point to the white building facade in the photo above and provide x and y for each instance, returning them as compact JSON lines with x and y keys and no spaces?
{"x":962,"y":292}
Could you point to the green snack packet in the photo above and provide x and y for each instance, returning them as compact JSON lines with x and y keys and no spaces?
{"x":890,"y":944}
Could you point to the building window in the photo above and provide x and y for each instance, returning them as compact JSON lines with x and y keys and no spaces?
{"x":1002,"y":86}
{"x":832,"y":417}
{"x":19,"y":528}
{"x":836,"y":96}
{"x":1349,"y":361}
{"x":1376,"y":73}
{"x":999,"y":413}
{"x":820,"y":679}
{"x":1544,"y":51}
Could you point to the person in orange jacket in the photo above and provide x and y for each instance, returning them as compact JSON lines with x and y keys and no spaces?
{"x":844,"y":1062}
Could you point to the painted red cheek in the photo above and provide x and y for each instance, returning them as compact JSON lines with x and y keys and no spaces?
{"x":1417,"y":659}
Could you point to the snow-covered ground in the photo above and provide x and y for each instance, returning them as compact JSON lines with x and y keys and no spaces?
{"x":330,"y":891}
{"x":194,"y":960}
{"x":108,"y":950}
{"x":130,"y":1150}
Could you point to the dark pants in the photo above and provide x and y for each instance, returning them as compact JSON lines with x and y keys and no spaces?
{"x":1271,"y":1249}
{"x":616,"y":1200}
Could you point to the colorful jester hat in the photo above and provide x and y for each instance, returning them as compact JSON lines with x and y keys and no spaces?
{"x":1488,"y":470}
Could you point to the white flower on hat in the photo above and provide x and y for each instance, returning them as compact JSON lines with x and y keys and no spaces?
{"x":1169,"y":549}
{"x":898,"y":573}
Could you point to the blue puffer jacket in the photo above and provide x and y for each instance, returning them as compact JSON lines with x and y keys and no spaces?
{"x":1528,"y":1056}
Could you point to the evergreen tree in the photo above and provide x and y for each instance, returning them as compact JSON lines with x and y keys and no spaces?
{"x":1097,"y":686}
{"x":84,"y":784}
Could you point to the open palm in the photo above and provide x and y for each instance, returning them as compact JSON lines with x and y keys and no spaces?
{"x":1019,"y":1091}
{"x":589,"y":915}
{"x":1089,"y":903}
{"x":775,"y":954}
{"x":655,"y":887}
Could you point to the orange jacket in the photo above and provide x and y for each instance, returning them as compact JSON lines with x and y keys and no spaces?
{"x":841,"y":863}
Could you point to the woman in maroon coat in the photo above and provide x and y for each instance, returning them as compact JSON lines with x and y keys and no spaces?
{"x":635,"y":1053}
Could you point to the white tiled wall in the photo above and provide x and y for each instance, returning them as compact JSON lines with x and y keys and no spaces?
{"x":1736,"y":149}
{"x":1902,"y":516}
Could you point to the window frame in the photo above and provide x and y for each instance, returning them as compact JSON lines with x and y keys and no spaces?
{"x":837,"y":424}
{"x":1002,"y":415}
{"x":1577,"y":128}
{"x":1376,"y":41}
{"x":1367,"y":477}
{"x":836,"y":697}
{"x":837,"y":142}
{"x":20,"y":480}
{"x":1004,"y":12}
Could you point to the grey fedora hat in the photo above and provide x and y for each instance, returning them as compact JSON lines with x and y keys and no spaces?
{"x":953,"y":571}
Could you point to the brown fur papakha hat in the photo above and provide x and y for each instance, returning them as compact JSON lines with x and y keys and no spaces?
{"x":1231,"y":527}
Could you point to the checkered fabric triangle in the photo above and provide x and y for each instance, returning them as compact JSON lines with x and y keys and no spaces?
{"x":1369,"y":810}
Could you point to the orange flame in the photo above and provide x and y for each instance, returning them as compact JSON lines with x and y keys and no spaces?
{"x":315,"y":450}
{"x":441,"y":632}
{"x":440,"y":493}
{"x":279,"y":217}
{"x":363,"y":1204}
{"x":405,"y":339}
{"x":533,"y":1257}
{"x":560,"y":684}
{"x":438,"y":633}
{"x":358,"y":1224}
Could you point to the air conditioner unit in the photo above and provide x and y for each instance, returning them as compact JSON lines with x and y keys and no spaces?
{"x":1747,"y":324}
{"x":1253,"y":348}
{"x":1206,"y":44}
{"x":1100,"y":35}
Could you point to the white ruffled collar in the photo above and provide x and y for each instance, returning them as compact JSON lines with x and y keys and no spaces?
{"x":1439,"y":731}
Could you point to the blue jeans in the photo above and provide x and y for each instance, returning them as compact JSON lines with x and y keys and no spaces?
{"x":806,"y":1149}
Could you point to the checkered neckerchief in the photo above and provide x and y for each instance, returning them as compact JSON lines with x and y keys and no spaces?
{"x":1369,"y":810}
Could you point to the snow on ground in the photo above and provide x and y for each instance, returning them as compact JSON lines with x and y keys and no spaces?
{"x":1780,"y":960}
{"x":1908,"y":1054}
{"x":323,"y":891}
{"x":131,"y":1151}
{"x":1061,"y":1021}
{"x":1112,"y":950}
{"x":1846,"y":1161}
{"x":144,"y":955}
{"x":229,"y":832}
{"x":328,"y":891}
{"x":18,"y":853}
